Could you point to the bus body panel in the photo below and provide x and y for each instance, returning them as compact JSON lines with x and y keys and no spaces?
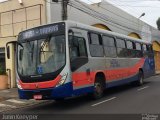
{"x":117,"y":71}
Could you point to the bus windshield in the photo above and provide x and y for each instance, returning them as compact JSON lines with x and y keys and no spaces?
{"x":41,"y":56}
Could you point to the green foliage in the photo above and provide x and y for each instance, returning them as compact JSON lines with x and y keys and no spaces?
{"x":2,"y":70}
{"x":158,"y":23}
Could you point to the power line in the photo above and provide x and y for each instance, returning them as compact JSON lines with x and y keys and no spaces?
{"x":99,"y":14}
{"x":97,"y":17}
{"x":101,"y":17}
{"x":115,"y":13}
{"x":104,"y":20}
{"x":118,"y":25}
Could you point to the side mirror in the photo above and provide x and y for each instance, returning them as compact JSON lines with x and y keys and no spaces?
{"x":8,"y":47}
{"x":8,"y":52}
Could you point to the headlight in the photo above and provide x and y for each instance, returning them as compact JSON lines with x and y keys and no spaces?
{"x":62,"y":80}
{"x":18,"y":85}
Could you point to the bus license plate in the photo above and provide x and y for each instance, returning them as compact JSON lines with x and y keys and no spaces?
{"x":37,"y":97}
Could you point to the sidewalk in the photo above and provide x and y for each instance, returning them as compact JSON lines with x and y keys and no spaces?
{"x":9,"y":100}
{"x":8,"y":94}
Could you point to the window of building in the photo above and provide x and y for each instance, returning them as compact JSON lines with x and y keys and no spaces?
{"x":2,"y":58}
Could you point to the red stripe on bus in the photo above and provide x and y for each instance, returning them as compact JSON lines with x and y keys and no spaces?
{"x":40,"y":85}
{"x":124,"y":72}
{"x":83,"y":78}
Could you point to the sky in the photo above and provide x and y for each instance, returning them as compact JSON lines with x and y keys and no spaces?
{"x":151,"y":8}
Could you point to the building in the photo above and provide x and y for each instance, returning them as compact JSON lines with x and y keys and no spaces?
{"x":18,"y":15}
{"x":15,"y":17}
{"x":106,"y":16}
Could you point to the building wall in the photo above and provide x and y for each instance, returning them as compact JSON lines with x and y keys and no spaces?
{"x":156,"y":48}
{"x":113,"y":18}
{"x":15,"y":18}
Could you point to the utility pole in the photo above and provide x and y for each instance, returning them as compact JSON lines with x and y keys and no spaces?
{"x":64,"y":9}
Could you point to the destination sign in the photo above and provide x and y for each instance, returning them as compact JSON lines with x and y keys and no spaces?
{"x":58,"y":28}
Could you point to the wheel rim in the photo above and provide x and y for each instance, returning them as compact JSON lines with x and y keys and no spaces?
{"x":141,"y":80}
{"x":98,"y":90}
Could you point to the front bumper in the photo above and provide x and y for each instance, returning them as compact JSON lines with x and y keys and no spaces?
{"x":62,"y":91}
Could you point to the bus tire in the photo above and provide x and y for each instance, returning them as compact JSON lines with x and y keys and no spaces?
{"x":140,"y":81}
{"x":98,"y":88}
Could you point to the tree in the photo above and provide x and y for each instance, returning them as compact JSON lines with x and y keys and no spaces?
{"x":158,"y":23}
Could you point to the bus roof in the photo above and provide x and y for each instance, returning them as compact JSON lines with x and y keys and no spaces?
{"x":91,"y":28}
{"x":88,"y":27}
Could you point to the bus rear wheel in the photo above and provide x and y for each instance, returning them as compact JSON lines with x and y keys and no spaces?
{"x":98,"y":89}
{"x":140,"y":79}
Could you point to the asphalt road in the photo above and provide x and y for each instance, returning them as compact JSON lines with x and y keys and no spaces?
{"x":128,"y":99}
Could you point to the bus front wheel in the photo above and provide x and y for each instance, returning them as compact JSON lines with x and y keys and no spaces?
{"x":98,"y":89}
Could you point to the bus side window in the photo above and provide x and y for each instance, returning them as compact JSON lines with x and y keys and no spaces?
{"x":138,"y":50}
{"x":130,"y":51}
{"x":149,"y":48}
{"x":78,"y":52}
{"x":109,"y":46}
{"x":129,"y":44}
{"x":77,"y":47}
{"x":121,"y":48}
{"x":150,"y":51}
{"x":82,"y":47}
{"x":144,"y":47}
{"x":95,"y":45}
{"x":145,"y":52}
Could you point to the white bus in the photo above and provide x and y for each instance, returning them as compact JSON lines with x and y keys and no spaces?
{"x":67,"y":59}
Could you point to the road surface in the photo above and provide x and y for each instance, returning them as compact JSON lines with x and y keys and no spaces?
{"x":127,"y":99}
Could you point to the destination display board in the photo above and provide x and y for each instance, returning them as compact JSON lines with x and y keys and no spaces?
{"x":42,"y":31}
